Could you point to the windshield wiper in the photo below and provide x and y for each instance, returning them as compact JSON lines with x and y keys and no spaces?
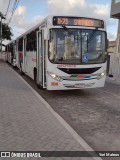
{"x":64,"y":27}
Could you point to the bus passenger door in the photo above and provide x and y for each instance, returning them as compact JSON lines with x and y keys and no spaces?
{"x":24,"y":54}
{"x":41,"y":74}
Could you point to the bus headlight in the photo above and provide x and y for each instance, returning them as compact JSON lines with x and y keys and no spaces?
{"x":54,"y":76}
{"x":102,"y":74}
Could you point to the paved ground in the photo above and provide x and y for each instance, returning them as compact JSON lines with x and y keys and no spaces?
{"x":26,"y":124}
{"x":93,"y":113}
{"x":114,"y":80}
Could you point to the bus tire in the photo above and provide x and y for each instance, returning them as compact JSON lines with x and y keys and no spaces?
{"x":21,"y":72}
{"x":35,"y":76}
{"x":39,"y":86}
{"x":35,"y":79}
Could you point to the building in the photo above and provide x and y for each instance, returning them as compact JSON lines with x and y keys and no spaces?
{"x":115,"y":13}
{"x":115,"y":9}
{"x":112,"y":46}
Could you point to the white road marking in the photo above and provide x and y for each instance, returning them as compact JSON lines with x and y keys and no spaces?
{"x":61,"y":120}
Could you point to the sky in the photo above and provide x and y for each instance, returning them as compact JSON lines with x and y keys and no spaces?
{"x":31,"y":12}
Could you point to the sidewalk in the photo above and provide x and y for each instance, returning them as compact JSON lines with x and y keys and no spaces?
{"x":115,"y":80}
{"x":27,"y":123}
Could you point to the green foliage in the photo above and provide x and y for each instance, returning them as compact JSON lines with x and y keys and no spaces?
{"x":6,"y":32}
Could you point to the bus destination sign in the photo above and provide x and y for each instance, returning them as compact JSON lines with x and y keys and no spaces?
{"x":78,"y":21}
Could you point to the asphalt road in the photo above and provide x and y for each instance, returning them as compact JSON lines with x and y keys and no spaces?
{"x":93,"y":113}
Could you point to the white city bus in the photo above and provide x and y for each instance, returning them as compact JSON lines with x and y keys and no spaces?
{"x":64,"y":52}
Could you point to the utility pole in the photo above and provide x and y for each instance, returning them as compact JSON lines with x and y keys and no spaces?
{"x":2,"y":17}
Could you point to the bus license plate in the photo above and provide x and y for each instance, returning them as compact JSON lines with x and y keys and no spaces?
{"x":80,"y":85}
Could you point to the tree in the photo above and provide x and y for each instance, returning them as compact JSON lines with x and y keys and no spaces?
{"x":6,"y":32}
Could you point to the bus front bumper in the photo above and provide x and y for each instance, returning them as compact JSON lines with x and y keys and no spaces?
{"x":66,"y":85}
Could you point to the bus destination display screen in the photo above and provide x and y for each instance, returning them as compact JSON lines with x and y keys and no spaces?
{"x":78,"y":21}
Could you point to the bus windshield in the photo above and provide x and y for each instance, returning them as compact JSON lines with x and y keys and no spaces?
{"x":77,"y":46}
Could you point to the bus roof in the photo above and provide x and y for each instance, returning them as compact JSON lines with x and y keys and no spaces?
{"x":46,"y":20}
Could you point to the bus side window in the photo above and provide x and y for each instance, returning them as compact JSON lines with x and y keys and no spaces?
{"x":31,"y":44}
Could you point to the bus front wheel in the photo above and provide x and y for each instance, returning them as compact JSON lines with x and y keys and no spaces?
{"x":35,"y":80}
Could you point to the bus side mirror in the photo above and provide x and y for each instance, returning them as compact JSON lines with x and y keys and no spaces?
{"x":107,"y":43}
{"x":46,"y":34}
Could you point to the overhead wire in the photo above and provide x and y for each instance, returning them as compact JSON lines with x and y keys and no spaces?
{"x":15,"y":5}
{"x":12,"y":10}
{"x":8,"y":8}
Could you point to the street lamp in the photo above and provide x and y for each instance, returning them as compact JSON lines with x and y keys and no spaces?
{"x":2,"y":17}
